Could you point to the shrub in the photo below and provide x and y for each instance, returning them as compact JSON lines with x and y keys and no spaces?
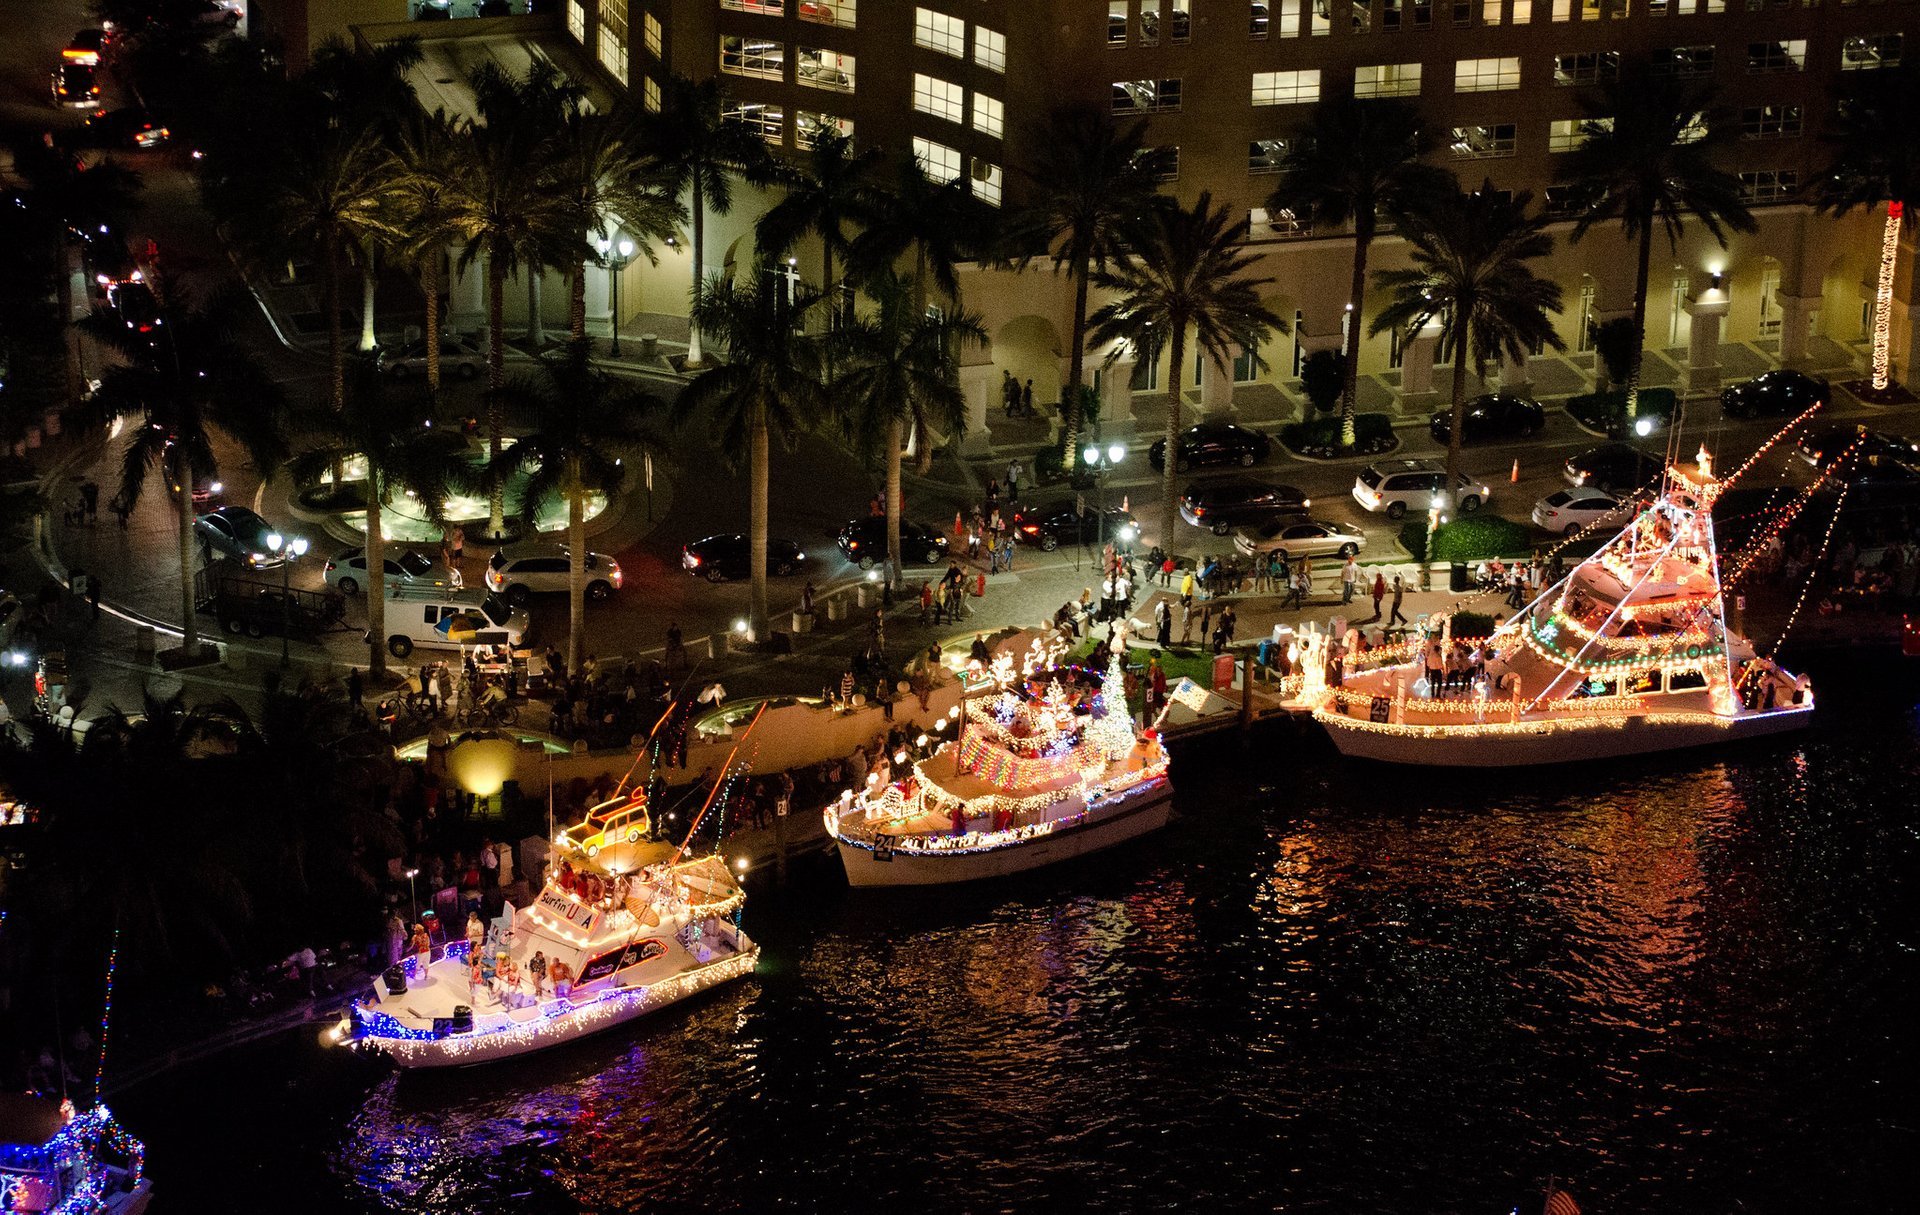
{"x":1372,"y":435}
{"x":1413,"y":537}
{"x":1322,"y":376}
{"x":1477,"y":537}
{"x":1607,"y":411}
{"x":1613,"y":342}
{"x":1472,"y":624}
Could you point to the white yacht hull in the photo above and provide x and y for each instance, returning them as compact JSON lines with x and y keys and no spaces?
{"x":1129,"y":819}
{"x":1549,"y":742}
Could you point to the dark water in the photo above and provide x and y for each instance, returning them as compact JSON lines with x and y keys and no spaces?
{"x":1684,"y":984}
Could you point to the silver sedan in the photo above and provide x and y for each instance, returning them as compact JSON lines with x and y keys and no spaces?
{"x":1298,"y":537}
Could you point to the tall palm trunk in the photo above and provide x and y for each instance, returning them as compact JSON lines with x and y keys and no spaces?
{"x":182,"y":475}
{"x":430,"y":291}
{"x":826,"y":285}
{"x":376,"y":577}
{"x":699,"y":209}
{"x":577,"y":303}
{"x":1639,"y":319}
{"x":1076,"y":362}
{"x":369,"y":284}
{"x":1457,"y":417}
{"x":534,"y":333}
{"x":336,"y":341}
{"x":1883,"y":298}
{"x":1356,"y":296}
{"x":757,"y":527}
{"x":496,"y":408}
{"x":895,"y":437}
{"x":1170,"y":467}
{"x":576,"y":565}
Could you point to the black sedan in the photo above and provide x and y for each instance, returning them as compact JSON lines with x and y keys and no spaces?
{"x":127,"y":127}
{"x":1225,"y":505}
{"x":864,"y":541}
{"x":1821,"y":447}
{"x":239,"y":533}
{"x":1049,"y":526}
{"x":1612,"y":466}
{"x":1214,"y":443}
{"x":726,"y":557}
{"x":1494,"y":415}
{"x":1775,"y":393}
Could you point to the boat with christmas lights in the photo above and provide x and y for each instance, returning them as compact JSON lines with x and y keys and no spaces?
{"x":622,"y":926}
{"x":62,"y":1162}
{"x":1041,"y":769}
{"x":1629,"y":653}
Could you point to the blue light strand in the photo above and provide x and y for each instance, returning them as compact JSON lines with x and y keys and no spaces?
{"x":106,"y":1015}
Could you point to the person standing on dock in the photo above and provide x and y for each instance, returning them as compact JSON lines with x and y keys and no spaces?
{"x":1399,"y":593}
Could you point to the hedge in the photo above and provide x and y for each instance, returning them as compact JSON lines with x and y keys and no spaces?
{"x":1607,"y":411}
{"x":1472,"y":624}
{"x":1320,"y":437}
{"x":1469,"y":539}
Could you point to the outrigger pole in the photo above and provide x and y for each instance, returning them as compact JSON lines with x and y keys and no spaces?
{"x":719,"y":781}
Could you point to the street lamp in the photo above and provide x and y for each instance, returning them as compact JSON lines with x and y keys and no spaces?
{"x":1100,"y":461}
{"x":294,"y":548}
{"x":616,"y":252}
{"x":413,"y":901}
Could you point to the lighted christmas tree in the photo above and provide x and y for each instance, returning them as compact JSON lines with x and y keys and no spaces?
{"x":1111,"y":731}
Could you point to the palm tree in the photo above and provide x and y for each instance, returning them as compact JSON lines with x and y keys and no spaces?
{"x":1877,"y":160}
{"x":1092,"y":189}
{"x":611,"y":189}
{"x":938,"y":225}
{"x":1356,"y":161}
{"x":585,"y":425}
{"x":1471,"y":274}
{"x":194,"y":379}
{"x":828,"y":189}
{"x":537,"y":105}
{"x":433,"y":155}
{"x":770,"y":384}
{"x":1646,"y":161}
{"x":1189,"y":272}
{"x":698,"y":151}
{"x":898,"y":375}
{"x":402,"y":453}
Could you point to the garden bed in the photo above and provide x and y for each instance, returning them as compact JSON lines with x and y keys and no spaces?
{"x":1605,"y":413}
{"x":1319,"y":438}
{"x":1474,"y":538}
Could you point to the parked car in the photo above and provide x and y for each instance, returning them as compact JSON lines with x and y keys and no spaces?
{"x":725,"y":557}
{"x":1300,"y":538}
{"x":1213,"y":443}
{"x":1822,"y":446}
{"x":1773,"y":393}
{"x":239,"y":533}
{"x":1225,"y":505}
{"x":126,"y":127}
{"x":458,"y":357}
{"x":864,"y":541}
{"x":1491,"y":416}
{"x":1048,"y":526}
{"x":75,"y":85}
{"x":346,"y":571}
{"x":526,"y":570}
{"x":135,"y":304}
{"x":1612,"y":466}
{"x":1394,"y":486}
{"x":1569,"y":510}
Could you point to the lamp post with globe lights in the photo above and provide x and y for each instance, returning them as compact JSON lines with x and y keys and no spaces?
{"x":1101,"y":460}
{"x":289,"y":549}
{"x":616,"y":253}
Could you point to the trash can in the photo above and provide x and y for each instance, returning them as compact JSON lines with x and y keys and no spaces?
{"x":649,"y":345}
{"x":1458,"y":579}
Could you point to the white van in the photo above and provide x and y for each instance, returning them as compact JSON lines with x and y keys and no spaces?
{"x":442,"y":620}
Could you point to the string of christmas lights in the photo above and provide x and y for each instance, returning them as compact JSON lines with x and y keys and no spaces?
{"x":106,"y":1014}
{"x":1758,"y":545}
{"x":1813,"y":574}
{"x":1883,"y":298}
{"x":1727,"y":481}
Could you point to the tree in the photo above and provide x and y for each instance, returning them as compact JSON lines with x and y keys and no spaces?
{"x":900,"y":374}
{"x":1323,"y":376}
{"x":401,"y":452}
{"x":586,"y":423}
{"x":698,"y":151}
{"x":771,"y":383}
{"x":1877,"y":160}
{"x":1190,"y":272}
{"x":1471,"y":274}
{"x":193,"y":379}
{"x":610,"y":189}
{"x":1091,"y":189}
{"x":1357,"y":162}
{"x":433,"y":153}
{"x":829,"y":188}
{"x":938,"y":225}
{"x":1646,"y":158}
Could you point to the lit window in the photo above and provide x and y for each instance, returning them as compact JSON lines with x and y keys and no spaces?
{"x":1522,"y":12}
{"x":989,"y":49}
{"x":1486,"y":75}
{"x":613,"y":38}
{"x":1569,"y":199}
{"x":1686,"y":62}
{"x":1266,"y":155}
{"x":752,"y":57}
{"x":1146,"y":96}
{"x":1286,"y":88}
{"x":1257,"y":18}
{"x":1566,"y":134}
{"x":941,"y":162}
{"x":1387,"y":80}
{"x":829,"y":12}
{"x":769,"y":122}
{"x":1770,"y":122}
{"x":824,"y":69}
{"x":1179,"y":19}
{"x":1117,"y":22}
{"x":654,"y":33}
{"x":941,"y":98}
{"x":651,"y":96}
{"x":1769,"y":185}
{"x":770,"y":8}
{"x":577,"y":21}
{"x":1483,"y":143}
{"x":1867,"y":51}
{"x":989,"y":116}
{"x":1695,"y":130}
{"x":810,"y":126}
{"x":988,"y":181}
{"x":1590,"y":67}
{"x":1777,"y":56}
{"x":939,"y":32}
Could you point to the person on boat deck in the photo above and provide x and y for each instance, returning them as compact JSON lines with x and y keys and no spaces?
{"x":476,"y":934}
{"x":537,"y":973}
{"x":476,"y":982}
{"x":980,"y":652}
{"x":567,"y":878}
{"x":421,"y":944}
{"x":506,"y":977}
{"x":959,"y":819}
{"x":562,"y":976}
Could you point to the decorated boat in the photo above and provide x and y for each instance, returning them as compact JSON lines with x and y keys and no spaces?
{"x":622,"y":926}
{"x":60,"y":1161}
{"x":1629,"y":653}
{"x":1039,"y":770}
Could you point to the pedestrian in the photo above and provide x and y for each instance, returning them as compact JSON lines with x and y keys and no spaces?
{"x":993,"y":494}
{"x":1014,"y":472}
{"x":459,"y":539}
{"x":1349,"y":578}
{"x":1009,"y":393}
{"x":1296,"y":591}
{"x":1399,"y":593}
{"x":806,"y":598}
{"x":356,"y":689}
{"x":1026,"y":400}
{"x":309,"y":966}
{"x":93,"y":595}
{"x":443,"y":688}
{"x":1229,"y":622}
{"x":90,"y":500}
{"x":1262,"y":583}
{"x":1163,"y":623}
{"x":1379,"y":593}
{"x":926,"y":601}
{"x":1186,"y":589}
{"x":121,"y":508}
{"x":1206,"y":621}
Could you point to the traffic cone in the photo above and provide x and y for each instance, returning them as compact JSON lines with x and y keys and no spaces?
{"x":1516,"y":470}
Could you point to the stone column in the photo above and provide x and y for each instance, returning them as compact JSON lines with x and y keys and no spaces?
{"x":1116,"y":398}
{"x":1417,"y":393}
{"x":1216,"y":387}
{"x":1514,"y":376}
{"x":467,"y":294}
{"x":1796,"y":327}
{"x":1708,"y":309}
{"x":978,"y":382}
{"x":599,"y":301}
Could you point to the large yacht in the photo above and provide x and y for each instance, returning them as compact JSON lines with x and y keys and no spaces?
{"x":54,"y":1158}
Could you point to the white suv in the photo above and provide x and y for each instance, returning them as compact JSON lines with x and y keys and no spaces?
{"x":1398,"y":486}
{"x":530,"y":569}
